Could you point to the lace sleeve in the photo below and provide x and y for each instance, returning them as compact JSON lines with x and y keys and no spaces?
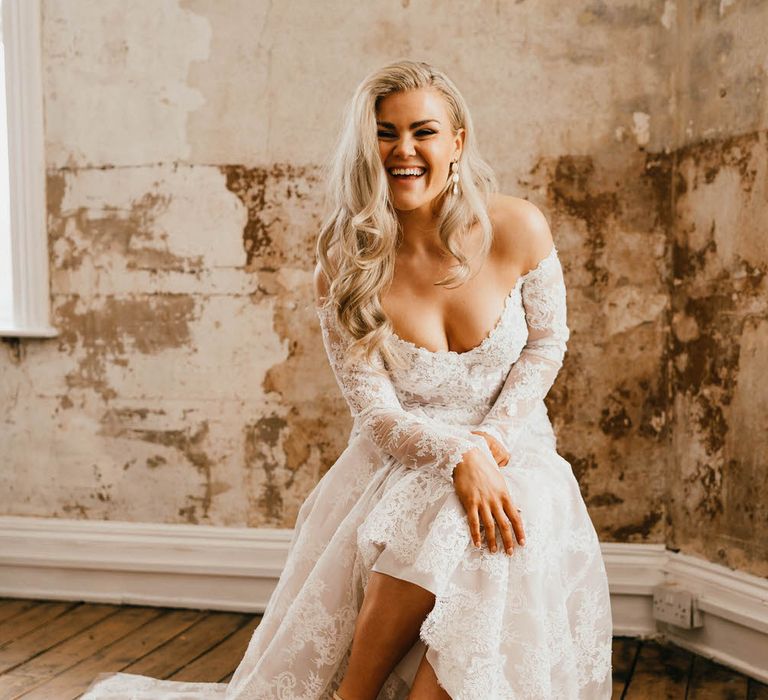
{"x":416,"y":441}
{"x":533,"y":373}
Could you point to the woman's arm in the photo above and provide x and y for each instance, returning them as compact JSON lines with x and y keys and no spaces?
{"x":416,"y":441}
{"x":534,"y":372}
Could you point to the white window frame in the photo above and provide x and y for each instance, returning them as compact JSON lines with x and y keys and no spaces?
{"x":26,"y":169}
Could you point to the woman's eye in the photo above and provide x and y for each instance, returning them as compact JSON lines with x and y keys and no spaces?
{"x":392,"y":135}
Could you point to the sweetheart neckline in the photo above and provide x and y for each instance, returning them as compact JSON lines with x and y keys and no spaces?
{"x":553,"y":253}
{"x":487,"y":339}
{"x":491,"y":333}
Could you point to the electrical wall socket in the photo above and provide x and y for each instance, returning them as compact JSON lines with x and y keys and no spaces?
{"x":676,"y":606}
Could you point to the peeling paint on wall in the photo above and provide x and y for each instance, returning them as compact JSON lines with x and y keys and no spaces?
{"x":611,"y":220}
{"x":274,"y":199}
{"x":719,"y":299}
{"x":115,"y":330}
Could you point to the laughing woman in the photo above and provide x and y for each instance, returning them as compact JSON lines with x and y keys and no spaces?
{"x":448,"y":552}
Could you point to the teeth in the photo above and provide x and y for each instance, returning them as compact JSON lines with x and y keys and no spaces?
{"x":407,"y":171}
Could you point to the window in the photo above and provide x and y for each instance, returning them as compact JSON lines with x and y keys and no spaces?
{"x":6,"y":285}
{"x":24,"y":292}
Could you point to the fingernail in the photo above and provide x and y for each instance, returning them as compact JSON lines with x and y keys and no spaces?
{"x":509,"y":550}
{"x":522,"y":541}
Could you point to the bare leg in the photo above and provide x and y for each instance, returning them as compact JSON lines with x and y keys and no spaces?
{"x":387,"y":627}
{"x":425,"y":685}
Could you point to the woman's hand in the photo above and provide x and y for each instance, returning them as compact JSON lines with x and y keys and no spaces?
{"x":499,"y":452}
{"x":483,"y":492}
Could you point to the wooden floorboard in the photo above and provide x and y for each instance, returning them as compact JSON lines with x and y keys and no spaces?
{"x":116,"y":655}
{"x":52,"y":650}
{"x":37,"y":641}
{"x":9,"y":608}
{"x":625,"y":651}
{"x":63,"y":656}
{"x":183,"y":649}
{"x":711,"y":681}
{"x":661,"y":673}
{"x":219,"y":662}
{"x":31,"y":619}
{"x":757,"y":691}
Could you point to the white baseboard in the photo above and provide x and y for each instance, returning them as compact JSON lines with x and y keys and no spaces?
{"x":236,"y":569}
{"x":185,"y":566}
{"x":734,"y":610}
{"x":633,"y":570}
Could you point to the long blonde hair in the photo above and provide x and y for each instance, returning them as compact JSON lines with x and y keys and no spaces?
{"x":358,"y":240}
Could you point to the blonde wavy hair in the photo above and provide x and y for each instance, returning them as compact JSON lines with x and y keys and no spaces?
{"x":358,"y":240}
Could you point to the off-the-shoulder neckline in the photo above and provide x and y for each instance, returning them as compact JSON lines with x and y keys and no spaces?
{"x":489,"y":336}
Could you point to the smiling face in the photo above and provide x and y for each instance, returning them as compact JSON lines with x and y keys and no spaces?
{"x":414,"y":131}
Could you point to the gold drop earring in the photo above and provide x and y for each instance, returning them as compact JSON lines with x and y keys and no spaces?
{"x":455,"y":176}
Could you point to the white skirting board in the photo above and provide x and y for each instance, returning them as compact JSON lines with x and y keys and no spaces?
{"x":218,"y":568}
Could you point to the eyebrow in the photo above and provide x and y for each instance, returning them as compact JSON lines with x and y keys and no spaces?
{"x":413,"y":126}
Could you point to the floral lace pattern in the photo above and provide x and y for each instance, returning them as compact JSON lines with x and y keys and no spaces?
{"x":535,"y":625}
{"x":410,"y":437}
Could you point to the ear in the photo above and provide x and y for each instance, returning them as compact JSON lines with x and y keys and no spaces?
{"x":459,"y":142}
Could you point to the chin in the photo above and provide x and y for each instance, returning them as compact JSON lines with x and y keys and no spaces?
{"x":406,"y":207}
{"x":413,"y":204}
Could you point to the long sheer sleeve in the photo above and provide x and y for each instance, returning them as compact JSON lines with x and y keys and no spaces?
{"x":416,"y":441}
{"x":533,"y":373}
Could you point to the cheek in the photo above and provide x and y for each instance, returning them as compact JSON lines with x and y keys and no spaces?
{"x":437,"y":172}
{"x":439,"y":162}
{"x":385,"y":148}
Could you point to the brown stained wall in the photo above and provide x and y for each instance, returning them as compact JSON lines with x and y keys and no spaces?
{"x":719,"y":367}
{"x":610,"y":216}
{"x":183,"y":385}
{"x":189,"y":383}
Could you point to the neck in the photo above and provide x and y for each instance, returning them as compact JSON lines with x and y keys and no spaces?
{"x":420,"y":233}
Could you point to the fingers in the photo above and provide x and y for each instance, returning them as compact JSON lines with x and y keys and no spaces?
{"x":504,"y":525}
{"x":499,"y":456}
{"x":499,"y":452}
{"x":516,"y":520}
{"x":489,"y":524}
{"x":487,"y":504}
{"x":508,"y":518}
{"x":474,"y":525}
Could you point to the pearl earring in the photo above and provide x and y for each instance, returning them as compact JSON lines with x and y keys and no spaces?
{"x":455,"y":176}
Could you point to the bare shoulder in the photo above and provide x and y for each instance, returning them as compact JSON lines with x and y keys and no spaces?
{"x":521,"y":232}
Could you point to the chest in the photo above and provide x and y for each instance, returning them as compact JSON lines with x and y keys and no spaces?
{"x":470,"y":379}
{"x":441,"y":319}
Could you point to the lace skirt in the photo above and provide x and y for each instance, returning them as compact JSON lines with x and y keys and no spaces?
{"x":534,"y":625}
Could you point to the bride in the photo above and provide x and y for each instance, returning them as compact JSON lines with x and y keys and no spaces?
{"x":448,"y":552}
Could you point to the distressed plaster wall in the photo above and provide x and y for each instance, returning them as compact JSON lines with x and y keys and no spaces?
{"x":718,"y":505}
{"x":183,"y":144}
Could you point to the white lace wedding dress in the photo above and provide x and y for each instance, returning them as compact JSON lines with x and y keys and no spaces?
{"x":536,"y":625}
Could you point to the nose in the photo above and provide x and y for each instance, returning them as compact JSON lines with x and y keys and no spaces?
{"x":404,"y":147}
